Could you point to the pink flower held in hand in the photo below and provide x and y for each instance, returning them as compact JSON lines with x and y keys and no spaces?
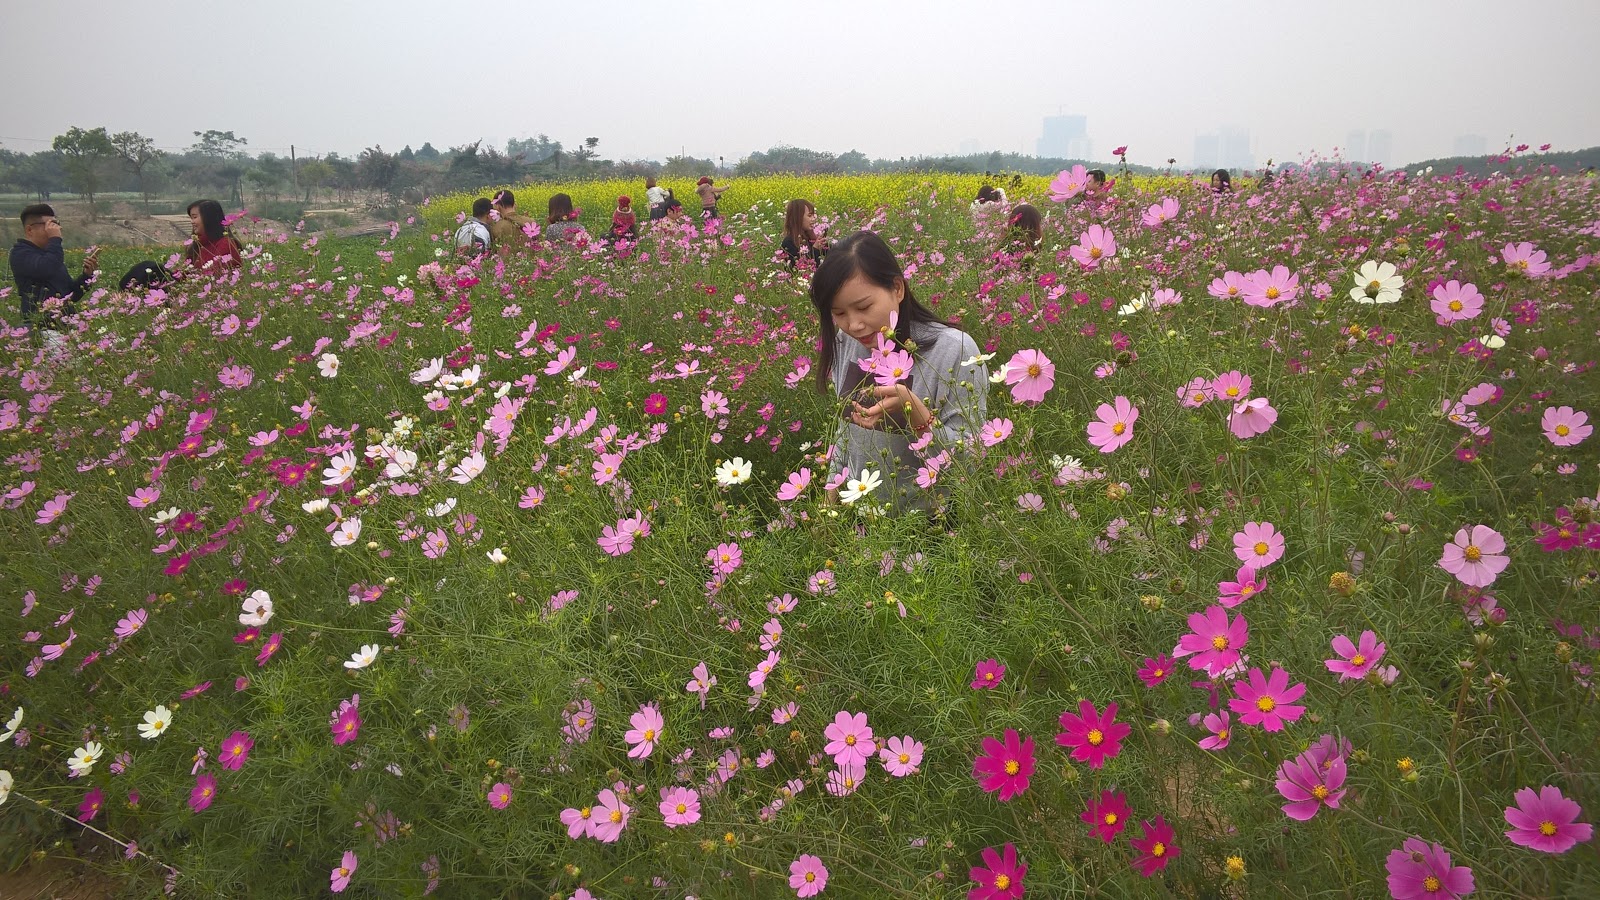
{"x":901,"y":756}
{"x":1005,"y":766}
{"x":1213,"y":640}
{"x":1251,"y":417}
{"x":1565,"y":426}
{"x":849,"y":740}
{"x":679,"y":806}
{"x":500,"y":795}
{"x":1258,"y":545}
{"x":808,"y":876}
{"x":647,"y":724}
{"x":988,"y":674}
{"x":1356,"y":659}
{"x":1268,"y":700}
{"x":1115,"y":426}
{"x":1031,"y":375}
{"x":1094,"y":247}
{"x":1308,"y":787}
{"x":1474,"y":556}
{"x":1093,"y":737}
{"x":1420,"y":871}
{"x":1456,"y":302}
{"x":339,"y":878}
{"x":1546,"y":821}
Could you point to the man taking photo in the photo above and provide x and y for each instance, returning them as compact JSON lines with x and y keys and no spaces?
{"x":39,"y":265}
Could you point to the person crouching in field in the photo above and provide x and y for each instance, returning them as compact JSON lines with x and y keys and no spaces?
{"x":656,"y":198}
{"x":505,"y":229}
{"x":39,"y":266}
{"x":473,"y":237}
{"x":1024,"y":231}
{"x":213,"y":247}
{"x":927,"y":389}
{"x":562,"y":223}
{"x":624,"y":224}
{"x":800,"y":238}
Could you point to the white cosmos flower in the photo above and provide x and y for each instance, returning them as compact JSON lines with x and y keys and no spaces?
{"x":401,"y":464}
{"x":315,"y":506}
{"x":429,"y":372}
{"x":1492,"y":341}
{"x":998,"y":376}
{"x":466,"y":381}
{"x":339,"y":469}
{"x":1137,"y":304}
{"x":257,"y":610}
{"x":5,"y":785}
{"x":328,"y":363}
{"x":366,"y":656}
{"x":977,"y":359}
{"x":347,"y":532}
{"x":734,"y":471}
{"x":502,"y":390}
{"x":1376,"y":283}
{"x":497,"y":556}
{"x":577,"y":374}
{"x":155,"y":723}
{"x":12,"y":725}
{"x":84,"y":758}
{"x":431,"y":396}
{"x":166,"y":515}
{"x":442,"y":508}
{"x":469,"y":468}
{"x":856,"y":488}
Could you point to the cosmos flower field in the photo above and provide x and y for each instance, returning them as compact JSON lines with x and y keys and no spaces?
{"x":1270,"y":572}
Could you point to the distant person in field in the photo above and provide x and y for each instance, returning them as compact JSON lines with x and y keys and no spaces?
{"x":1097,"y":185}
{"x":505,"y":226}
{"x":858,"y":291}
{"x":213,"y":247}
{"x":1024,"y":232}
{"x":801,"y":240}
{"x":624,"y":223}
{"x":709,"y":194}
{"x":656,"y":197}
{"x":989,"y":194}
{"x":473,"y":237}
{"x":39,"y":267}
{"x":1221,"y":182}
{"x":673,"y":214}
{"x":562,"y":222}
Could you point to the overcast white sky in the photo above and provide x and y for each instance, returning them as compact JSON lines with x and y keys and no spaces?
{"x":891,"y":79}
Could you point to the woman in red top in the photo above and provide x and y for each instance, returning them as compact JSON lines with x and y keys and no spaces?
{"x":213,"y":247}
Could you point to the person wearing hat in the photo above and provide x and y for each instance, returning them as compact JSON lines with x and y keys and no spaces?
{"x":708,"y":198}
{"x":624,"y":224}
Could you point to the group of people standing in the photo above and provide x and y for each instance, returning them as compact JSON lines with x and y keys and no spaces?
{"x":496,"y":224}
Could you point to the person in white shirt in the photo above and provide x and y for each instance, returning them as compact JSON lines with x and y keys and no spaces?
{"x":656,"y":198}
{"x":472,"y":238}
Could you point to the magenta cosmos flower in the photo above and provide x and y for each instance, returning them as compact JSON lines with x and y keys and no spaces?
{"x":679,"y":806}
{"x":808,"y":876}
{"x":236,"y":749}
{"x":610,"y":817}
{"x":1308,"y":786}
{"x":1031,"y":375}
{"x":205,"y":791}
{"x":1258,"y":545}
{"x":1005,"y":766}
{"x":91,"y":805}
{"x":1107,"y":816}
{"x":655,"y":404}
{"x":1218,"y":723}
{"x":1246,"y":583}
{"x":1356,"y":659}
{"x":1456,"y":302}
{"x":345,"y":721}
{"x":1156,"y":669}
{"x":1474,"y":556}
{"x":1546,"y":821}
{"x":1000,"y":876}
{"x":1565,"y":426}
{"x":1115,"y":425}
{"x":1093,"y":737}
{"x":1214,"y":641}
{"x":1156,"y":848}
{"x":339,"y":878}
{"x":988,"y":674}
{"x":647,"y":724}
{"x":849,"y":739}
{"x":1094,"y":247}
{"x":1251,"y":417}
{"x":500,"y":795}
{"x":1422,"y":871}
{"x":1267,"y":700}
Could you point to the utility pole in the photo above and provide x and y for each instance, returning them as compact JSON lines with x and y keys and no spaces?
{"x":294,"y":171}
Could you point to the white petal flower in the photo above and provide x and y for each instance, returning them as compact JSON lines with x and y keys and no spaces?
{"x":366,"y":656}
{"x":856,"y":488}
{"x":84,"y":758}
{"x":429,"y":372}
{"x":400,"y":464}
{"x":442,"y":508}
{"x":339,"y":469}
{"x":468,"y":468}
{"x":497,"y":556}
{"x":347,"y":532}
{"x":328,"y":363}
{"x":12,"y":725}
{"x":1492,"y":341}
{"x":155,"y":723}
{"x":166,"y":515}
{"x":5,"y":785}
{"x":734,"y":471}
{"x":257,"y":610}
{"x":998,"y":376}
{"x":315,"y":506}
{"x":977,"y":359}
{"x":1376,"y":283}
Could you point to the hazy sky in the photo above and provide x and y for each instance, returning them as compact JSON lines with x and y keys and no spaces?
{"x":891,"y":79}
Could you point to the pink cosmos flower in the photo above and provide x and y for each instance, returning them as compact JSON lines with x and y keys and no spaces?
{"x":647,"y":724}
{"x":1107,"y":816}
{"x":843,"y":781}
{"x":893,"y":368}
{"x":1031,"y":375}
{"x":994,"y":431}
{"x":1005,"y":766}
{"x":1160,"y":213}
{"x":901,"y":756}
{"x":1231,"y":387}
{"x":130,"y":624}
{"x":1156,"y":847}
{"x":655,"y":404}
{"x":725,"y":559}
{"x":1114,"y":427}
{"x":606,"y":467}
{"x":339,"y":878}
{"x":1213,"y":640}
{"x":52,"y":509}
{"x":758,"y":676}
{"x":1231,"y":286}
{"x":1565,"y":426}
{"x":90,"y":807}
{"x":1268,"y":289}
{"x":1422,"y":871}
{"x":849,"y":739}
{"x":143,"y":497}
{"x":795,"y":486}
{"x":1309,"y":786}
{"x":1258,"y":545}
{"x":1356,"y":659}
{"x":1267,"y":700}
{"x":1069,"y":183}
{"x":988,"y":674}
{"x":579,"y":718}
{"x":1094,"y":247}
{"x":679,"y":806}
{"x":616,"y":541}
{"x":610,"y":817}
{"x":1526,"y":259}
{"x":1196,"y":393}
{"x":1251,"y":417}
{"x":205,"y":791}
{"x":1546,"y":821}
{"x":235,"y":750}
{"x":1156,"y":669}
{"x":1456,"y":302}
{"x":346,"y":720}
{"x":808,"y":876}
{"x":579,"y":821}
{"x":1000,"y":876}
{"x":1474,"y":556}
{"x":1093,"y":737}
{"x":1218,"y":724}
{"x":701,"y":683}
{"x":500,"y":795}
{"x":1246,"y":584}
{"x":713,"y":404}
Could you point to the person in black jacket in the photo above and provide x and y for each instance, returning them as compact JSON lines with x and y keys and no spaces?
{"x":39,"y":265}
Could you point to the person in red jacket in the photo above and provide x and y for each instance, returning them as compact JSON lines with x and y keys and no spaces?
{"x":213,"y":247}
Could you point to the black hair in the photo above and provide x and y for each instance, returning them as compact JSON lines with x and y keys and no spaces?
{"x":481,"y":207}
{"x":560,"y":209}
{"x":1098,"y":176}
{"x":210,"y":218}
{"x":988,"y":194}
{"x":1026,"y":225}
{"x":505,"y":198}
{"x":863,"y":253}
{"x":671,"y":204}
{"x":36,"y":211}
{"x":1224,"y":181}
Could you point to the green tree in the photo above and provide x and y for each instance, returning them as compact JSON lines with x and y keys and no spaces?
{"x":137,"y":152}
{"x":427,"y":154}
{"x":219,"y":144}
{"x":85,"y":154}
{"x":378,"y":169}
{"x":315,"y":174}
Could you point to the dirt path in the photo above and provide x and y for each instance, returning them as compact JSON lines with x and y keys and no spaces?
{"x":57,"y":878}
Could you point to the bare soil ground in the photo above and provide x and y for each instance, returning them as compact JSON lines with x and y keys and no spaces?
{"x":57,"y":878}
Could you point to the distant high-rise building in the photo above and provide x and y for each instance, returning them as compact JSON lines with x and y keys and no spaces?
{"x":970,"y":147}
{"x":1207,"y":151}
{"x":1235,"y":148}
{"x":1065,"y":137}
{"x":1380,"y":147}
{"x":1471,"y":145}
{"x":1355,"y":147}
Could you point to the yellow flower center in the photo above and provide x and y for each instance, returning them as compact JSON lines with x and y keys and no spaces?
{"x":1320,"y":792}
{"x":1096,"y":737}
{"x":905,"y":758}
{"x":238,"y":749}
{"x":585,"y":812}
{"x":1158,"y":850}
{"x":810,"y":877}
{"x":849,"y":782}
{"x":343,"y":872}
{"x":1233,"y":290}
{"x":1358,"y":660}
{"x":1219,"y":643}
{"x":1158,"y":673}
{"x":616,"y":815}
{"x":1111,"y":818}
{"x":1272,"y":293}
{"x":649,"y":734}
{"x":1013,"y":767}
{"x":1455,"y":306}
{"x":1432,"y":884}
{"x":1001,"y":882}
{"x":1232,"y":391}
{"x":1119,"y":428}
{"x":1472,"y":553}
{"x":1094,"y":253}
{"x":157,"y":725}
{"x":1247,"y":590}
{"x":1563,"y":430}
{"x":1198,"y":396}
{"x":1266,"y":704}
{"x":683,"y":808}
{"x":1547,"y":828}
{"x":1374,"y":286}
{"x":1564,"y":533}
{"x":1035,"y":370}
{"x":1261,"y":548}
{"x":1522,"y":264}
{"x":1222,"y":735}
{"x":580,"y":721}
{"x":849,"y":740}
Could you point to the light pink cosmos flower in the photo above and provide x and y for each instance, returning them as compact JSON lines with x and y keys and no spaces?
{"x":701,"y":683}
{"x":1246,"y":584}
{"x":500,"y":795}
{"x":1031,"y":375}
{"x":607,"y":467}
{"x":1356,"y":660}
{"x":1309,"y":786}
{"x":1094,"y":247}
{"x":758,"y":677}
{"x":1268,"y":289}
{"x":994,"y":431}
{"x":1546,"y":821}
{"x":1267,"y":700}
{"x":1564,"y":426}
{"x":1160,"y":213}
{"x":679,"y":806}
{"x":130,"y":624}
{"x":807,"y":876}
{"x":1213,"y":640}
{"x":339,"y":878}
{"x":1217,"y":723}
{"x":795,"y":486}
{"x":1114,"y":427}
{"x":1231,"y":387}
{"x":1422,"y":871}
{"x":1196,"y":393}
{"x":893,"y":368}
{"x":610,"y":817}
{"x":647,"y":725}
{"x":1258,"y":545}
{"x":725,"y":559}
{"x":52,"y":509}
{"x":579,"y":821}
{"x":1231,"y":286}
{"x":143,"y":497}
{"x":849,"y":739}
{"x":1526,"y":259}
{"x":1474,"y":556}
{"x":901,"y":756}
{"x":1069,"y":183}
{"x":1456,"y":302}
{"x":843,"y":781}
{"x":1251,"y":418}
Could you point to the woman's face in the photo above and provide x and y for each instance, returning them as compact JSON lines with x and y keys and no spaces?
{"x":194,"y":221}
{"x":861,"y":309}
{"x":809,"y":220}
{"x":675,"y":214}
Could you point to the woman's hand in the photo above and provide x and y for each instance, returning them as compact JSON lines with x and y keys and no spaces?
{"x":894,"y":398}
